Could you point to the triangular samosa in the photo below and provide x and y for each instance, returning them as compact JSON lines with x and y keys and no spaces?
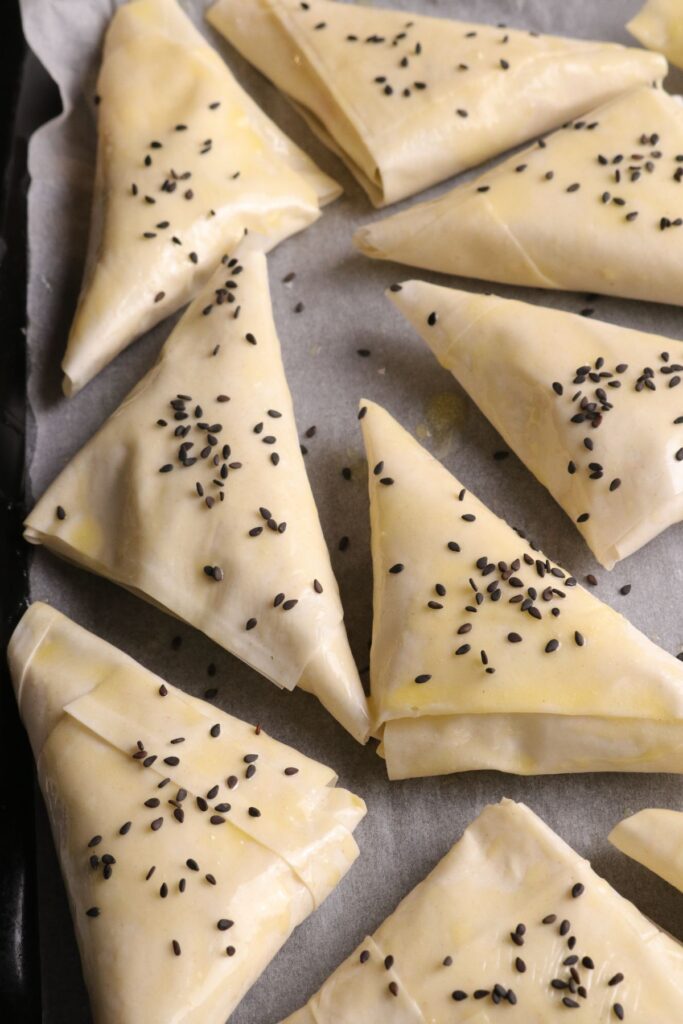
{"x":191,"y":843}
{"x":194,"y":495}
{"x":596,"y":207}
{"x":511,"y":925}
{"x":594,"y":410}
{"x":186,"y":164}
{"x":659,"y":26}
{"x":653,"y":837}
{"x":485,"y":654}
{"x":406,"y":100}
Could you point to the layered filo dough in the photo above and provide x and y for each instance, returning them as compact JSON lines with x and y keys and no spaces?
{"x":659,"y":26}
{"x":194,"y":496}
{"x":514,"y":925}
{"x":594,"y":410}
{"x":485,"y":654}
{"x":191,"y":843}
{"x":406,"y":100}
{"x":654,"y":838}
{"x":595,"y":207}
{"x":186,"y":165}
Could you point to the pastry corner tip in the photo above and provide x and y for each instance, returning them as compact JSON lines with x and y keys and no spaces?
{"x":366,"y":242}
{"x":69,"y":386}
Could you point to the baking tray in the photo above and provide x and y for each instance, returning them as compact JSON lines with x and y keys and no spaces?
{"x":411,"y":824}
{"x":19,"y":964}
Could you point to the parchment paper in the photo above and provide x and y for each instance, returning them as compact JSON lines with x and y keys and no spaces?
{"x":410,"y":825}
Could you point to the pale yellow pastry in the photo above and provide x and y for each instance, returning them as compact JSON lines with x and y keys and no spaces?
{"x":654,"y":837}
{"x":186,"y":164}
{"x":511,"y":925}
{"x":485,"y":654}
{"x":194,"y":495}
{"x":659,"y":26}
{"x":406,"y":100}
{"x":191,"y":843}
{"x":596,"y":207}
{"x":573,"y":398}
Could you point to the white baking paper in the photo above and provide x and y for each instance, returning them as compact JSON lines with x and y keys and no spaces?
{"x":410,"y":825}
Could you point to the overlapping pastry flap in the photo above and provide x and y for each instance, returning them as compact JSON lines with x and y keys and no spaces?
{"x":654,"y":837}
{"x":512,"y":924}
{"x":407,"y":100}
{"x":191,"y":843}
{"x":470,"y":618}
{"x":595,"y":207}
{"x":186,"y":163}
{"x":659,"y":26}
{"x":194,"y":495}
{"x":594,"y":410}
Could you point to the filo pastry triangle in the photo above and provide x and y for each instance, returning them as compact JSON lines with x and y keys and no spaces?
{"x":194,"y":496}
{"x":594,"y":410}
{"x":191,"y":843}
{"x":186,"y":164}
{"x":595,"y":207}
{"x":653,"y":837}
{"x":659,"y":26}
{"x":485,"y":654}
{"x":407,"y":101}
{"x":510,"y":925}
